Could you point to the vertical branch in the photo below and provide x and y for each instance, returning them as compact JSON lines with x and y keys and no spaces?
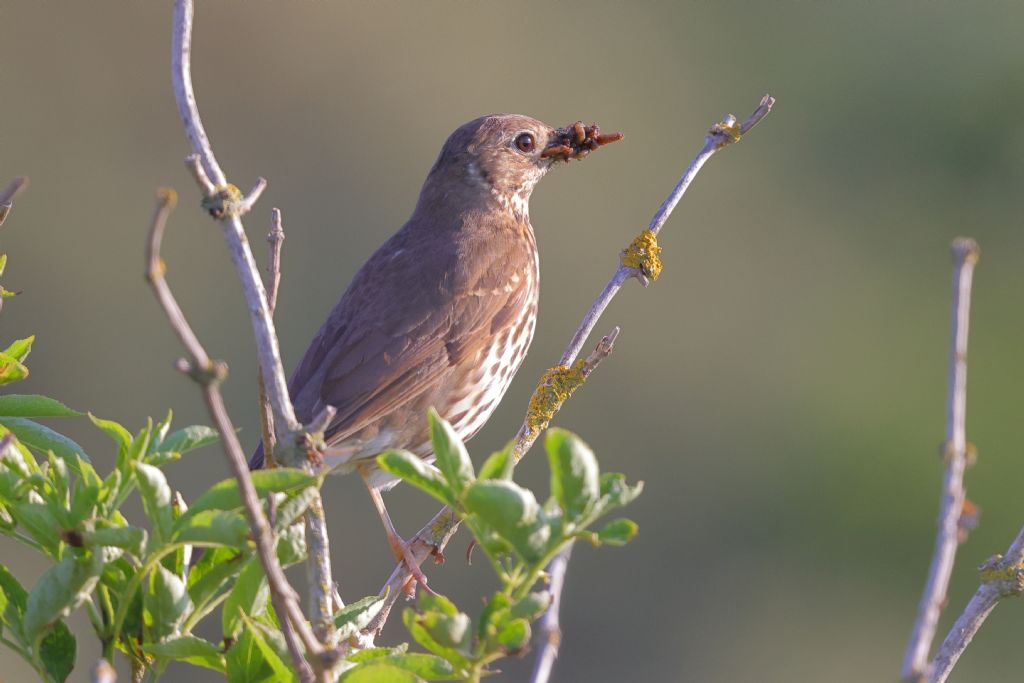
{"x":227,"y":204}
{"x":275,"y":240}
{"x":915,"y":660}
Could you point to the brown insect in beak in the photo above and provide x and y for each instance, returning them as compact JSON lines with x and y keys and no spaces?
{"x":577,"y":141}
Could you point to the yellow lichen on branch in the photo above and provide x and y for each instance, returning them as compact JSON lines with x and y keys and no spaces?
{"x":555,"y":387}
{"x":643,"y":255}
{"x":226,"y":201}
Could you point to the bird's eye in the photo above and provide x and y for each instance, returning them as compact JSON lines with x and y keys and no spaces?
{"x":525,"y":142}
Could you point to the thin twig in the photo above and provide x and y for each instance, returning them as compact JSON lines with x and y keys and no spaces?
{"x":434,"y":536}
{"x":9,"y":193}
{"x":224,"y":203}
{"x":721,"y":135}
{"x":209,"y":374}
{"x":1001,"y":576}
{"x":550,"y":633}
{"x":915,"y":660}
{"x":275,"y":240}
{"x":214,"y":183}
{"x":294,"y":647}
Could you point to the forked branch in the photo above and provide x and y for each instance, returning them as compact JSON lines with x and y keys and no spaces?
{"x":227,"y":205}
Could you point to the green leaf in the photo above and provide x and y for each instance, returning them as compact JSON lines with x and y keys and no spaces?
{"x":130,"y":538}
{"x":514,"y":636}
{"x":13,"y":598}
{"x":424,"y":666}
{"x":188,"y":649}
{"x":499,"y":465}
{"x":618,"y":532}
{"x":356,"y":616}
{"x":422,"y":636}
{"x":57,"y":652}
{"x":416,"y":471}
{"x":189,"y":438}
{"x":156,"y":498}
{"x":245,"y":663}
{"x":210,"y":577}
{"x":291,"y":545}
{"x":41,"y":438}
{"x":60,"y":590}
{"x":160,"y":431}
{"x":512,"y":512}
{"x":574,"y":473}
{"x":379,"y":672}
{"x":34,"y":405}
{"x":615,"y":492}
{"x":212,"y":527}
{"x":293,"y":508}
{"x":271,"y":655}
{"x":11,"y":369}
{"x":140,"y":444}
{"x":444,"y":623}
{"x":121,"y":436}
{"x":224,"y":494}
{"x":452,"y":457}
{"x":88,"y":488}
{"x":166,"y":604}
{"x":249,"y":595}
{"x":3,"y":263}
{"x":20,"y":349}
{"x":38,"y":520}
{"x":531,"y":607}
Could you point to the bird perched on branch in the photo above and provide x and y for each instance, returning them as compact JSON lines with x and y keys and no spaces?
{"x":442,"y":314}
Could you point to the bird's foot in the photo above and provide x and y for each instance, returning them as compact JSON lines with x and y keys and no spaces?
{"x":403,"y":553}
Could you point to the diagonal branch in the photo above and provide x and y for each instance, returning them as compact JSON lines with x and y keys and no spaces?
{"x":8,"y":194}
{"x":227,"y":204}
{"x":209,"y":374}
{"x":639,"y":260}
{"x":1001,"y":577}
{"x":915,"y":660}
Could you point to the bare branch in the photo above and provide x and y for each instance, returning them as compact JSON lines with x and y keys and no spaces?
{"x":227,"y":204}
{"x":639,"y":260}
{"x":275,"y":241}
{"x":13,"y":189}
{"x":1001,"y":577}
{"x":915,"y":660}
{"x":209,"y":374}
{"x":550,"y":634}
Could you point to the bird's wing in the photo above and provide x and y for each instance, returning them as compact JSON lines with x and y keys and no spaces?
{"x":408,"y":318}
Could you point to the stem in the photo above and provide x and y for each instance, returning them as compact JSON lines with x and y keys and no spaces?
{"x":915,"y":660}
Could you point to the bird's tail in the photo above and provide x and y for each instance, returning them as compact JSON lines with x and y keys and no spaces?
{"x":257,"y":459}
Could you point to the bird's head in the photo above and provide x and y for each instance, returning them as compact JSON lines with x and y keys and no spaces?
{"x":498,"y":159}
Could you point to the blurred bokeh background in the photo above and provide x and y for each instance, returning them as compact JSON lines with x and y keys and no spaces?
{"x":780,"y":389}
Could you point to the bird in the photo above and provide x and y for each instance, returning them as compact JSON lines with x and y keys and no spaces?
{"x":442,"y":314}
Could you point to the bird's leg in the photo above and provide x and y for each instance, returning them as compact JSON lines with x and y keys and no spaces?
{"x":399,"y":547}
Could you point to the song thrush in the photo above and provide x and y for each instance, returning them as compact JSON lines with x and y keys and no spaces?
{"x":443,"y":312}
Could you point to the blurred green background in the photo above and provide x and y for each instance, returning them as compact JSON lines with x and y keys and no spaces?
{"x":780,"y":388}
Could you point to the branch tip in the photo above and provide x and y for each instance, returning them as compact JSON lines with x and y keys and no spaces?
{"x":965,"y":250}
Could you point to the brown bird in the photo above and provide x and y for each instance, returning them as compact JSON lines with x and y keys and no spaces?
{"x":442,"y":314}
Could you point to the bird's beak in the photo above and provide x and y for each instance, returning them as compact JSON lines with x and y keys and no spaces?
{"x":576,"y":141}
